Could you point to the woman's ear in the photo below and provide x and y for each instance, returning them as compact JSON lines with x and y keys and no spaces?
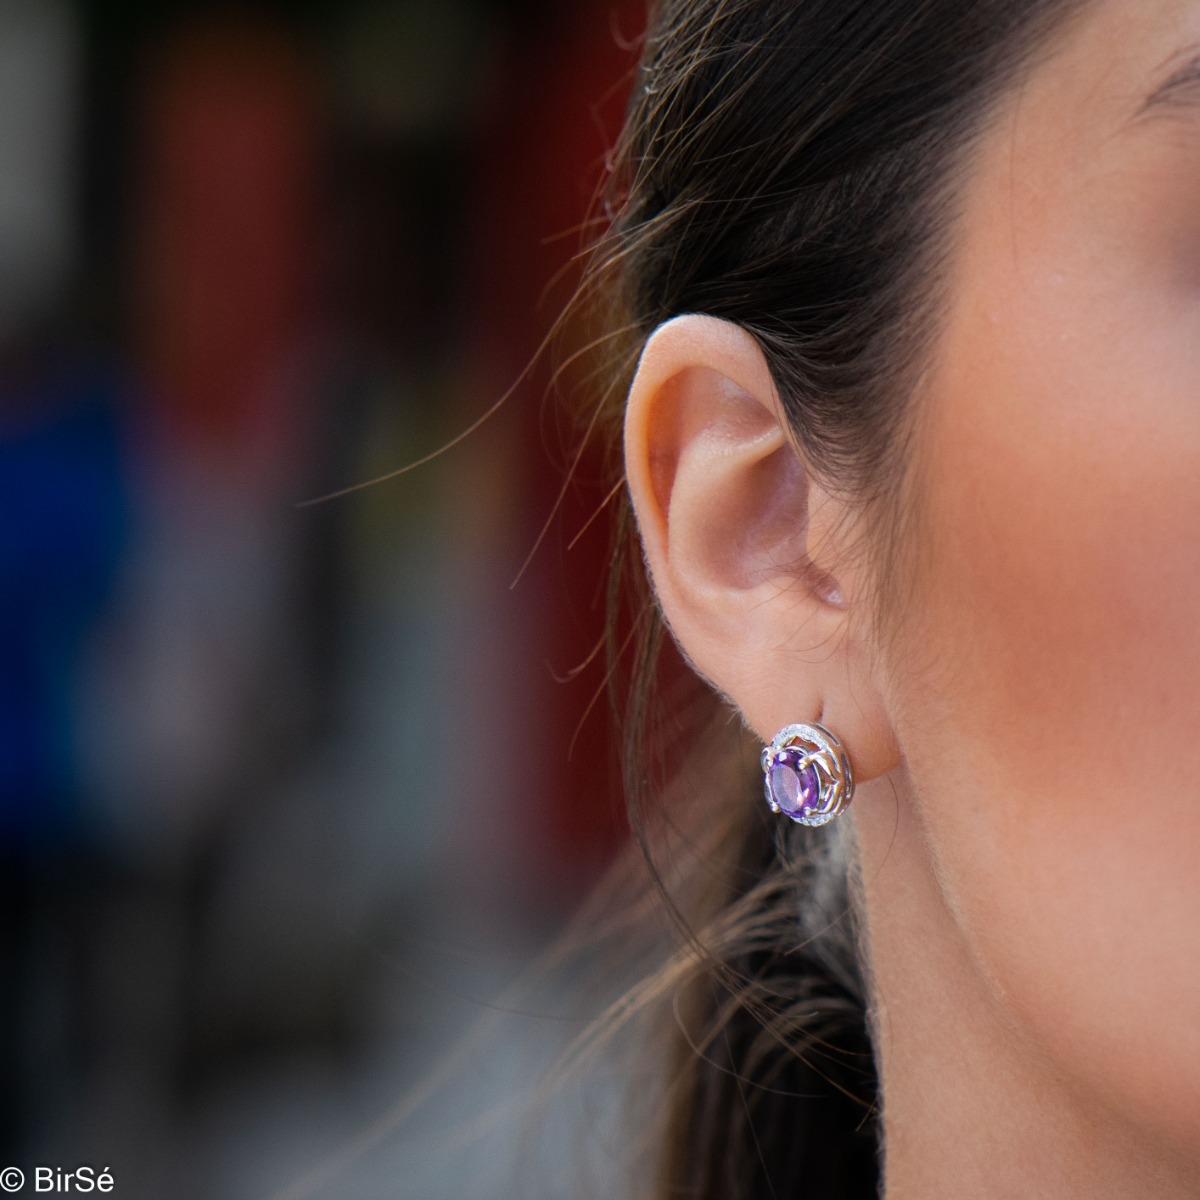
{"x":743,"y":545}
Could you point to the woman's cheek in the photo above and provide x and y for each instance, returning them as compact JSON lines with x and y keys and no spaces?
{"x":1056,"y":669}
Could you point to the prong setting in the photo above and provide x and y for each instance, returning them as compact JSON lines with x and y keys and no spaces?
{"x":807,"y":774}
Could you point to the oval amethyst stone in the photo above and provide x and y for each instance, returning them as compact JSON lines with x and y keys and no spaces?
{"x":792,"y":788}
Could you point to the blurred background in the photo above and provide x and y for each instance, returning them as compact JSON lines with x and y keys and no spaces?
{"x":291,"y":792}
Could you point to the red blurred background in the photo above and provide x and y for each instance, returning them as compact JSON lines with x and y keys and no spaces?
{"x":288,"y":790}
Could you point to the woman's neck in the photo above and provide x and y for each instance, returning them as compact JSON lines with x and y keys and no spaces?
{"x":970,"y":1107}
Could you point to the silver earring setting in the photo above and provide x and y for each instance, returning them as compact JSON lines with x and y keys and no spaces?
{"x":807,"y":774}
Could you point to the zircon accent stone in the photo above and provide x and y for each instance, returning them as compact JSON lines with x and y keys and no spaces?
{"x":792,"y":784}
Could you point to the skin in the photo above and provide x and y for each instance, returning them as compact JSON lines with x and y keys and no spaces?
{"x":1028,"y":811}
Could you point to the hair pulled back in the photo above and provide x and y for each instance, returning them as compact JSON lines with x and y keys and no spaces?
{"x":789,"y":165}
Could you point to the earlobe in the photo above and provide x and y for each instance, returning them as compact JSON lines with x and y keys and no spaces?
{"x":742,"y":543}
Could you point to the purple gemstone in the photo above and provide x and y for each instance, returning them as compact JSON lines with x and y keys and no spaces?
{"x":792,"y":787}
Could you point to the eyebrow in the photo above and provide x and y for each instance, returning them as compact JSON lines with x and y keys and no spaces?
{"x":1180,"y":88}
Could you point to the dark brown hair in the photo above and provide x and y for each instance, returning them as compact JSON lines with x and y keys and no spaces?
{"x":787,"y":165}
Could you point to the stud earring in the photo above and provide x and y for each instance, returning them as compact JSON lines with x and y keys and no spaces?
{"x":807,"y":774}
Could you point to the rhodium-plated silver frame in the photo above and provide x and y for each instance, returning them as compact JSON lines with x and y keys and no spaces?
{"x":825,"y":752}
